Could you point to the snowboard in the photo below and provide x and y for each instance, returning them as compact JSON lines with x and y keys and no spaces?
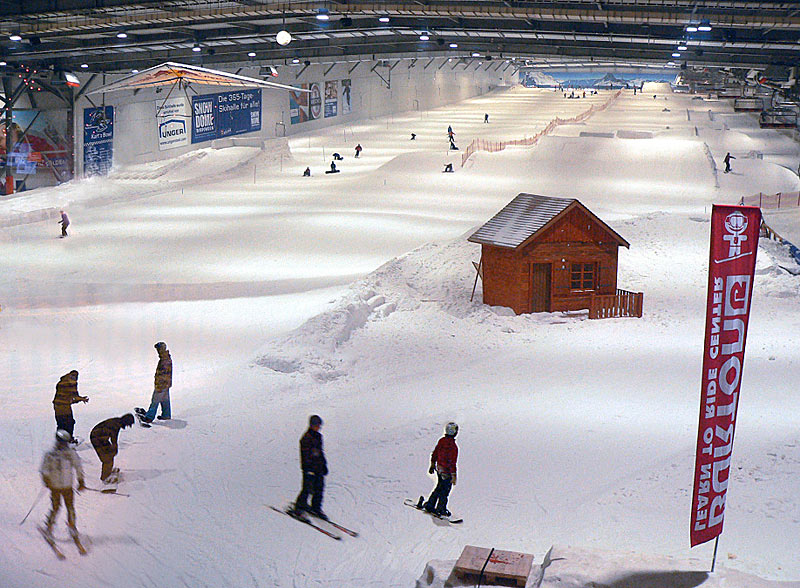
{"x":140,"y":412}
{"x":412,"y":504}
{"x":110,"y":486}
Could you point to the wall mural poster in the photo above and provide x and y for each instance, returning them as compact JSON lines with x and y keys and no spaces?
{"x":98,"y":140}
{"x":43,"y":146}
{"x":346,"y":103}
{"x":331,"y":99}
{"x":215,"y":116}
{"x":298,"y":105}
{"x":314,"y":102}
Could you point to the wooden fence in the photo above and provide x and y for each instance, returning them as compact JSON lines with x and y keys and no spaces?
{"x":494,"y":146}
{"x":623,"y":303}
{"x":779,"y":200}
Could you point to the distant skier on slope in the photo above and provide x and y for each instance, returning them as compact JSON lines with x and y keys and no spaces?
{"x":359,"y":149}
{"x":443,"y":462}
{"x":307,"y":173}
{"x":66,"y":396}
{"x":64,"y":222}
{"x":162,"y":384}
{"x":104,"y":440}
{"x":58,"y":468}
{"x":727,"y":161}
{"x":315,"y":468}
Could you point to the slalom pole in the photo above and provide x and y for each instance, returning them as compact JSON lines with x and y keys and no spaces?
{"x":35,"y":502}
{"x":714,"y":558}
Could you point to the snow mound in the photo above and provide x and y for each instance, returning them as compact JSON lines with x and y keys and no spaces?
{"x":575,"y":567}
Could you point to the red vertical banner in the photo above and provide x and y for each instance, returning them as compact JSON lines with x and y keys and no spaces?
{"x":731,"y":265}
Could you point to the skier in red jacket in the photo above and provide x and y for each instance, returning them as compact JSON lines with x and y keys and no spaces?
{"x":443,"y":462}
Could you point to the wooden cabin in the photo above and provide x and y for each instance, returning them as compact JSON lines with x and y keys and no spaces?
{"x":544,"y":254}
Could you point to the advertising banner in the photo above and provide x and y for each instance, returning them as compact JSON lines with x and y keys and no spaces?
{"x":732,"y":259}
{"x":346,"y":103}
{"x":314,"y":102}
{"x":298,"y":105}
{"x":215,"y":116}
{"x":38,"y":142}
{"x":173,"y":123}
{"x":98,"y":140}
{"x":331,"y":99}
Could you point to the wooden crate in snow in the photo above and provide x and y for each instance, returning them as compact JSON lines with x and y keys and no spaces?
{"x":503,"y":567}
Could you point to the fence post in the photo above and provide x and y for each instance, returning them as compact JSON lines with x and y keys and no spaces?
{"x":779,"y":199}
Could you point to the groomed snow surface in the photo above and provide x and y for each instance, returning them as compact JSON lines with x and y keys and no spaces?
{"x":349,"y":296}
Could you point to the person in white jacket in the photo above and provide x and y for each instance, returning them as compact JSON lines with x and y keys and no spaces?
{"x":59,"y":467}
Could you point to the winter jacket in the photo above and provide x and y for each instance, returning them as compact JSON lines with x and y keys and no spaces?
{"x":66,"y":395}
{"x":64,"y":220}
{"x":312,"y":458}
{"x":106,"y":433}
{"x":57,"y":468}
{"x":163,"y":378}
{"x":444,"y":456}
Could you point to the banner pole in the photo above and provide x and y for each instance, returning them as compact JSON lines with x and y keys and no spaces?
{"x":714,"y":558}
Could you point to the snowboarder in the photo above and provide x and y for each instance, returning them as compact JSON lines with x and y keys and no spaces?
{"x":66,"y":396}
{"x":453,"y":145}
{"x":727,"y":161}
{"x":314,"y":467}
{"x":359,"y":149}
{"x":337,"y":157}
{"x":104,"y":440}
{"x":448,"y":168}
{"x":449,"y":131}
{"x":64,"y":222}
{"x":307,"y":173}
{"x":58,"y":468}
{"x":413,"y":136}
{"x":163,"y":382}
{"x":333,"y":169}
{"x":443,"y":462}
{"x":486,"y":118}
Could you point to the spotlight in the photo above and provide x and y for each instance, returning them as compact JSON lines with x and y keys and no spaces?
{"x":283,"y":38}
{"x":197,"y":48}
{"x":322,"y":14}
{"x":682,"y":47}
{"x":704,"y":27}
{"x":251,"y":54}
{"x":295,"y":60}
{"x":476,"y":54}
{"x":424,"y":37}
{"x":15,"y":37}
{"x":453,"y":45}
{"x":3,"y":64}
{"x":122,"y":35}
{"x":691,"y":29}
{"x":134,"y":71}
{"x":84,"y":65}
{"x":676,"y":54}
{"x":383,"y":19}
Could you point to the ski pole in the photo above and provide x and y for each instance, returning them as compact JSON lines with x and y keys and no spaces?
{"x":35,"y":502}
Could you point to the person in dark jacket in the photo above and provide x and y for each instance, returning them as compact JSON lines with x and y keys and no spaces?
{"x":66,"y":396}
{"x":307,"y":172}
{"x":359,"y":149}
{"x":162,"y":384}
{"x":443,"y":462}
{"x":64,"y":222}
{"x":315,"y":468}
{"x":104,"y":440}
{"x":727,"y":161}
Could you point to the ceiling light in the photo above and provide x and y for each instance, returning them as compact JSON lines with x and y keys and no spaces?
{"x":122,"y":35}
{"x":476,"y":54}
{"x":197,"y":48}
{"x":322,"y":14}
{"x":295,"y":60}
{"x":15,"y":37}
{"x":670,"y":63}
{"x":424,"y":37}
{"x":453,"y":45}
{"x":283,"y":38}
{"x":84,"y":65}
{"x":676,"y":54}
{"x":3,"y":63}
{"x":134,"y":71}
{"x":384,"y":19}
{"x":682,"y":47}
{"x":691,"y":29}
{"x":251,"y":54}
{"x":704,"y":27}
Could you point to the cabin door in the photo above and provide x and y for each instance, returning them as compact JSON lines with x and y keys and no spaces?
{"x":540,"y":288}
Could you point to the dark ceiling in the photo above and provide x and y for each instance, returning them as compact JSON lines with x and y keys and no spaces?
{"x":68,"y":33}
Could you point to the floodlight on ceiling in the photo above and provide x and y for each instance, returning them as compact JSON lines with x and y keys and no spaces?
{"x":676,"y":54}
{"x":424,"y":37}
{"x":134,"y":71}
{"x":71,"y":80}
{"x":682,"y":47}
{"x":14,"y":37}
{"x":197,"y":48}
{"x":476,"y":54}
{"x":322,"y":14}
{"x":704,"y":27}
{"x":383,"y":19}
{"x":84,"y":65}
{"x":3,"y":64}
{"x":122,"y":35}
{"x":283,"y":38}
{"x":295,"y":60}
{"x":453,"y":45}
{"x":251,"y":54}
{"x":691,"y":28}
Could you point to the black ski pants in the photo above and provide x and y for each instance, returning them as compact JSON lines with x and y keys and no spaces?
{"x":438,"y":501}
{"x":314,"y":485}
{"x":65,"y":422}
{"x":106,"y":452}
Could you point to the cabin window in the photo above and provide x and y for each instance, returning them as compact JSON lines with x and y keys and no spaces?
{"x":583,"y":276}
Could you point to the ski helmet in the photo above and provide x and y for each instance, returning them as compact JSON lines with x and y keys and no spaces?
{"x":315,"y":420}
{"x":63,"y":436}
{"x":451,"y":429}
{"x":160,"y":345}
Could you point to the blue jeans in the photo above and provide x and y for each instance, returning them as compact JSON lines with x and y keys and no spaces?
{"x":165,"y":409}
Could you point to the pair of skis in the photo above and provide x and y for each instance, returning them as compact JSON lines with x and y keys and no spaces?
{"x":306,"y":519}
{"x":52,"y":543}
{"x":417,"y":506}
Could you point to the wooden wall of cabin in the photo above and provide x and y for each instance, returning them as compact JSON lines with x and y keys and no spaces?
{"x":505,"y":279}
